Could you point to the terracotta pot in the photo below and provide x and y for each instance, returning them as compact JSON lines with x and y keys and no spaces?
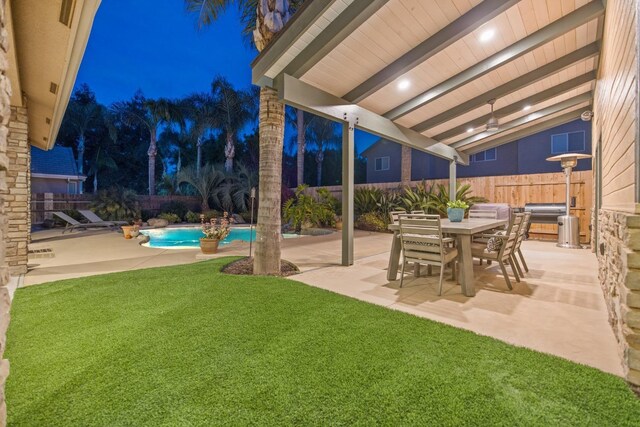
{"x":339,"y":224}
{"x":209,"y":246}
{"x":126,"y":230}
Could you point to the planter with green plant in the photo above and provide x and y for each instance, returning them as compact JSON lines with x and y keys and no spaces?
{"x":456,"y":209}
{"x":214,"y":230}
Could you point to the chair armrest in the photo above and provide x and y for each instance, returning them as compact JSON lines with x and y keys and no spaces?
{"x":448,"y":240}
{"x":488,"y":236}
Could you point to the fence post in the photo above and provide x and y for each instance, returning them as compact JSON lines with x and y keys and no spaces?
{"x":48,"y":205}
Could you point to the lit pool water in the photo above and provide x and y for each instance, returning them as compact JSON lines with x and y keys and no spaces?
{"x":190,"y":237}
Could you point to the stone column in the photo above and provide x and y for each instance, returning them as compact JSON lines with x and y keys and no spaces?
{"x":618,"y":254}
{"x":5,"y":300}
{"x":405,"y":175}
{"x":18,"y":199}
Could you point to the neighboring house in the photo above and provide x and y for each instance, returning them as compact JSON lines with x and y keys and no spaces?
{"x":55,"y":171}
{"x":524,"y":156}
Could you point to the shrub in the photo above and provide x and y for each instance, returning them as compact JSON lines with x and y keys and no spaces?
{"x":211,"y":214}
{"x":246,"y":216}
{"x":192,"y":217}
{"x":176,"y":207}
{"x":170,"y":217}
{"x":366,"y":199}
{"x":304,"y":209}
{"x":116,"y":204}
{"x":371,"y":221}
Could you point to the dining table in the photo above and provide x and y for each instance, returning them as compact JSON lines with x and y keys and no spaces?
{"x":463,"y":232}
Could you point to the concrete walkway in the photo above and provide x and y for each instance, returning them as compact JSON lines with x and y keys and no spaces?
{"x":558,"y":308}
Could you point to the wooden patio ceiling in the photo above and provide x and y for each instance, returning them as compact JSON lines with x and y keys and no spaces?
{"x":423,"y":71}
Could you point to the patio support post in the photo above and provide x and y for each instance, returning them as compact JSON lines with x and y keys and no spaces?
{"x":348,"y":149}
{"x":452,"y":180}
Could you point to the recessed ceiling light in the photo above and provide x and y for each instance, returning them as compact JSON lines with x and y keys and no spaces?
{"x":469,"y":130}
{"x":487,"y":35}
{"x":404,"y":84}
{"x":526,"y":108}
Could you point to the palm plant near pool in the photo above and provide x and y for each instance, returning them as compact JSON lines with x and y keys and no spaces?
{"x":204,"y":182}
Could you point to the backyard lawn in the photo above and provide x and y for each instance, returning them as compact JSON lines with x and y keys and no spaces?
{"x":188,"y":345}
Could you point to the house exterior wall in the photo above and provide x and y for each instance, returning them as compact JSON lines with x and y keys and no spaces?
{"x":615,"y":128}
{"x":18,"y":194}
{"x":5,"y":300}
{"x":384,"y":149}
{"x":51,"y":185}
{"x":525,"y":156}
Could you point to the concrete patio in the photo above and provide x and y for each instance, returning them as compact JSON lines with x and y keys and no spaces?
{"x":558,"y":308}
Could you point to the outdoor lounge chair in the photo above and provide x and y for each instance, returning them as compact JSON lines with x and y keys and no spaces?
{"x":95,"y":219}
{"x":72,"y":224}
{"x":506,"y":253}
{"x":422,"y":243}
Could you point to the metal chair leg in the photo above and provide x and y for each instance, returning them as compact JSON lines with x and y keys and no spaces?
{"x":524,"y":263}
{"x":514,"y":261}
{"x":440,"y":282}
{"x":506,"y":276}
{"x":513,"y":268}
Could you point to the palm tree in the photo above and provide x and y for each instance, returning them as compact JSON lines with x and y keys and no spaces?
{"x":81,"y":115}
{"x":232,"y":108}
{"x":103,"y":161}
{"x":235,"y":193}
{"x":200,"y":110}
{"x":322,"y":133}
{"x":254,"y":15}
{"x":152,"y":114}
{"x":204,"y":182}
{"x":296,"y":118}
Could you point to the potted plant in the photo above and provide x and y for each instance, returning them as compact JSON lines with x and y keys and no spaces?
{"x":127,"y":231}
{"x":455,"y":210}
{"x":214,"y":230}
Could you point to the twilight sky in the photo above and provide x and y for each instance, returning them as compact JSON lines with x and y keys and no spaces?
{"x":154,"y":45}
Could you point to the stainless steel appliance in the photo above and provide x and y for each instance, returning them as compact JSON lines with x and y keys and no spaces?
{"x":568,"y":226}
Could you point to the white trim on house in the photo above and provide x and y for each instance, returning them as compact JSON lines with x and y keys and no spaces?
{"x":55,"y":176}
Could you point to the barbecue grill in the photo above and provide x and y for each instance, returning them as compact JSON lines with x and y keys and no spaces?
{"x":544,"y":213}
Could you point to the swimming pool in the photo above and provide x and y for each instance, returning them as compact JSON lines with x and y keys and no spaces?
{"x":189,"y":237}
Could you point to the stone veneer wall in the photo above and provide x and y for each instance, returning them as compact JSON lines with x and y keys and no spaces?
{"x":619,"y":273}
{"x":5,"y":300}
{"x":18,"y":201}
{"x":405,"y":170}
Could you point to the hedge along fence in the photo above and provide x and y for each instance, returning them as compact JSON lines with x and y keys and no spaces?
{"x":42,"y":204}
{"x":516,"y":191}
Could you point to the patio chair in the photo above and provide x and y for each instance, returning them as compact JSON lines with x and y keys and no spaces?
{"x":422,"y":243}
{"x":72,"y":224}
{"x":483,"y":214}
{"x":95,"y":219}
{"x":393,"y":215}
{"x":505,"y":254}
{"x":522,"y":233}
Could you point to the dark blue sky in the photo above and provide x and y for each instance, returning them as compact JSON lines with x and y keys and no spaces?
{"x":154,"y":45}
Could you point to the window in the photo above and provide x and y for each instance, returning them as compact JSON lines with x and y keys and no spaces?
{"x":382,"y":164}
{"x":484,"y":156}
{"x":569,"y":142}
{"x":72,"y":187}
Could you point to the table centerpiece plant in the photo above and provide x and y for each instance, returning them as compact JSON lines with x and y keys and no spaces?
{"x":456,"y":209}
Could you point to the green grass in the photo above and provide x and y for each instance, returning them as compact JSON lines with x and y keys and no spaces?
{"x":190,"y":346}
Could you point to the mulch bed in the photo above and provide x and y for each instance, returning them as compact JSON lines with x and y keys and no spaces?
{"x":245,"y":266}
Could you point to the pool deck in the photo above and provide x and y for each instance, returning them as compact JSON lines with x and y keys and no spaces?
{"x":558,"y":308}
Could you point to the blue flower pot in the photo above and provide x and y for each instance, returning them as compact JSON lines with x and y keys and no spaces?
{"x":455,"y":214}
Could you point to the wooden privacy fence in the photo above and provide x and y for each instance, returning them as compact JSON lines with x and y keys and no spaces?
{"x":516,"y":191}
{"x":42,"y":204}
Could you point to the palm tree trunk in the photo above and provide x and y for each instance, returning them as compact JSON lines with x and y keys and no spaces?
{"x":319,"y":160}
{"x":80,"y":160}
{"x":199,"y":154}
{"x":268,"y":229}
{"x":95,"y":182}
{"x":152,"y":153}
{"x":229,"y":152}
{"x":301,"y":146}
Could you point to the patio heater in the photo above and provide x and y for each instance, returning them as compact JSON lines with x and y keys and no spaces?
{"x":253,"y":197}
{"x":568,"y":225}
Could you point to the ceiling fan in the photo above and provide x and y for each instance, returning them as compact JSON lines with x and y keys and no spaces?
{"x":492,"y":124}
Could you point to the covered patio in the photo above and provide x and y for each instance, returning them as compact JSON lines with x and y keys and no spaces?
{"x":423,"y":78}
